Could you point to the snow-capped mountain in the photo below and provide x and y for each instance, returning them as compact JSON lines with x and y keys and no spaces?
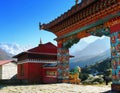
{"x":87,"y":51}
{"x":13,"y":48}
{"x":4,"y":55}
{"x":92,"y":52}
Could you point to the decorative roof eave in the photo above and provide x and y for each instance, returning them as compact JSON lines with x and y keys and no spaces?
{"x":67,"y":14}
{"x":36,"y":61}
{"x":34,"y":53}
{"x":96,"y":23}
{"x":42,"y":53}
{"x":53,"y":54}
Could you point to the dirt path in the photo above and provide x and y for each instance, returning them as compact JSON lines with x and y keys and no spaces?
{"x":55,"y":88}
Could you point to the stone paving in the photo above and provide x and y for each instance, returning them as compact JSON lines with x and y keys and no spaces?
{"x":56,"y":88}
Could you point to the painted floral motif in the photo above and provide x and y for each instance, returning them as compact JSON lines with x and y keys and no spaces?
{"x":63,"y":64}
{"x":115,"y":51}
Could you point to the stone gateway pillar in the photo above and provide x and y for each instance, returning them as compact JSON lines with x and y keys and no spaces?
{"x":63,"y":64}
{"x":115,"y":52}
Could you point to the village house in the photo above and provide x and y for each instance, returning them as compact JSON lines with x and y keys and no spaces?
{"x":38,"y":65}
{"x":8,"y":69}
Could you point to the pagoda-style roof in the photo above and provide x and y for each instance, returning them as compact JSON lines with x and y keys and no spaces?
{"x":47,"y":48}
{"x":82,"y":17}
{"x":41,"y":49}
{"x":66,"y":15}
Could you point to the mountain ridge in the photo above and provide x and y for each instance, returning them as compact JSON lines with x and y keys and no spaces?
{"x":4,"y":55}
{"x":13,"y":48}
{"x":85,"y":52}
{"x":89,"y":61}
{"x":92,"y":53}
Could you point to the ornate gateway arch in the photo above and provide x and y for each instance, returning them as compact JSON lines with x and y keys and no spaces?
{"x":90,"y":17}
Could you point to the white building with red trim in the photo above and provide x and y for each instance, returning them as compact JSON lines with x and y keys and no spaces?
{"x":8,"y":69}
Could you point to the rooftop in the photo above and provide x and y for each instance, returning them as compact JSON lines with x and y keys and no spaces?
{"x":74,"y":9}
{"x":2,"y":62}
{"x":44,"y":49}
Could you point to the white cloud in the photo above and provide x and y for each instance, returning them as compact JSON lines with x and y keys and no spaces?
{"x":14,"y":48}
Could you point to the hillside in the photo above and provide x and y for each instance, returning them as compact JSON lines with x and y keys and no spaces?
{"x":7,"y":50}
{"x":86,"y":52}
{"x":89,"y":60}
{"x":97,"y":73}
{"x":12,"y":48}
{"x":99,"y":68}
{"x":92,"y":52}
{"x":4,"y":55}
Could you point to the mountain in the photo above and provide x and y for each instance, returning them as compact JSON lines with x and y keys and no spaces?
{"x":87,"y":51}
{"x":4,"y":55}
{"x":79,"y":46}
{"x":92,"y":53}
{"x":89,"y":60}
{"x":102,"y":68}
{"x":8,"y":50}
{"x":13,"y":48}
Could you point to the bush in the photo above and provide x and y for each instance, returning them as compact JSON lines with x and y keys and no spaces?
{"x":95,"y":83}
{"x":99,"y":80}
{"x":93,"y":80}
{"x":86,"y":82}
{"x":83,"y":76}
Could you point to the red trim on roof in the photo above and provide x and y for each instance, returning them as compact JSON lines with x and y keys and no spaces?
{"x":2,"y":62}
{"x":42,"y":53}
{"x":45,"y":48}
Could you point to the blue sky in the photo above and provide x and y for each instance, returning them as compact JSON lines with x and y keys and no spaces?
{"x":19,"y":19}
